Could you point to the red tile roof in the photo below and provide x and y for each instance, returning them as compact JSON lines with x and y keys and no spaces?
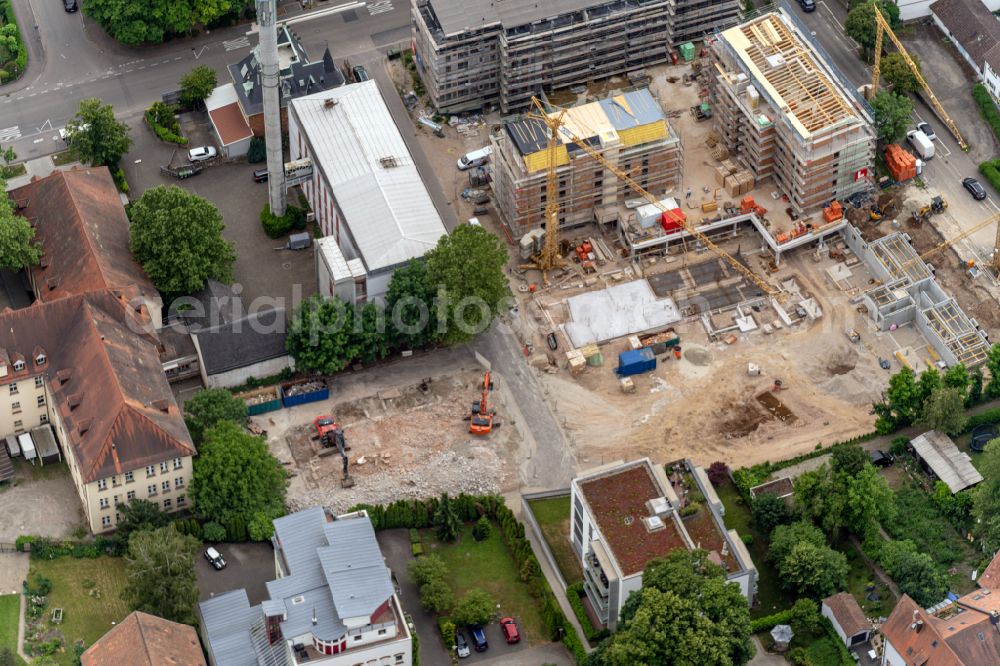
{"x":990,"y":579}
{"x":83,"y":230}
{"x":848,"y":613}
{"x":960,"y":635}
{"x":146,"y":640}
{"x":230,"y":123}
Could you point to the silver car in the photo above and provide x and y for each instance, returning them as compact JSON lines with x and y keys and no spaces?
{"x":201,"y":153}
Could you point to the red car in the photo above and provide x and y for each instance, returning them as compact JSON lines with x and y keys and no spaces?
{"x":510,"y":630}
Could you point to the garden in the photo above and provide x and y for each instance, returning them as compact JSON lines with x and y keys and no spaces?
{"x":552,"y":516}
{"x":10,"y":609}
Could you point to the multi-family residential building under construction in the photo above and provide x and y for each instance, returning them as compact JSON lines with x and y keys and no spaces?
{"x":784,"y":113}
{"x":471,"y":53}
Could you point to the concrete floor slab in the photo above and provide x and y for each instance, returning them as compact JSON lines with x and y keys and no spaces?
{"x":624,"y":309}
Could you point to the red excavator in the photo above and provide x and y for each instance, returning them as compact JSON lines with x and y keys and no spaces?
{"x":481,"y":418}
{"x":332,"y":437}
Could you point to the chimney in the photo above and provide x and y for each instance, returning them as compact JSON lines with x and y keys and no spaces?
{"x":162,"y":405}
{"x":918,"y":626}
{"x":314,"y":620}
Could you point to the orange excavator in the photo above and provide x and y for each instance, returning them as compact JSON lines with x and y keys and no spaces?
{"x":331,"y":436}
{"x":481,"y":418}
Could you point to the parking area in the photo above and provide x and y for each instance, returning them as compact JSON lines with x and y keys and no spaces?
{"x":248,"y":565}
{"x":42,"y":501}
{"x":267,"y":275}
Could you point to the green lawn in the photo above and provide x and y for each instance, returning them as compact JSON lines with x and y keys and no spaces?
{"x":10,"y":609}
{"x":770,"y":597}
{"x":65,"y":157}
{"x":489,"y":566}
{"x":552,"y":516}
{"x":87,"y":613}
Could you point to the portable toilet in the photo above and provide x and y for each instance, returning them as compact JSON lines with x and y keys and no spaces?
{"x":27,"y":447}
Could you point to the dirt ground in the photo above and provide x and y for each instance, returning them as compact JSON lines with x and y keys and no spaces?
{"x":408,"y":441}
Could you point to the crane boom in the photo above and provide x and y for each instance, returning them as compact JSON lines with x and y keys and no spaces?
{"x":948,"y":242}
{"x":549,"y":257}
{"x":882,"y":27}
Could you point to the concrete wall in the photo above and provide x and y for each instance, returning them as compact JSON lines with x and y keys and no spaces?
{"x":238,"y":149}
{"x":890,"y":657}
{"x":240,"y":376}
{"x":991,"y":79}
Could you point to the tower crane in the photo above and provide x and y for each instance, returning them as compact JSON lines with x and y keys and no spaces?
{"x":995,"y":260}
{"x":882,"y":28}
{"x":557,"y":125}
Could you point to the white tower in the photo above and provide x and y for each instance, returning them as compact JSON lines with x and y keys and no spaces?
{"x":270,"y":79}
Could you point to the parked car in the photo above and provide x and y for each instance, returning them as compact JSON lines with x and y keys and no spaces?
{"x":510,"y":632}
{"x":881,"y":458}
{"x":70,"y":6}
{"x":462,"y":645}
{"x":552,"y":341}
{"x":478,"y":638}
{"x":927,"y":130}
{"x":808,"y":5}
{"x":201,"y":153}
{"x":215,"y":558}
{"x":975,"y":189}
{"x":360,"y":73}
{"x":260,"y":175}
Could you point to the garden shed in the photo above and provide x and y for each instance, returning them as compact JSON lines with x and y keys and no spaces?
{"x":939,"y":457}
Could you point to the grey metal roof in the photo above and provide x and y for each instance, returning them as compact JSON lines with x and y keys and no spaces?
{"x":354,"y":568}
{"x":952,"y":466}
{"x":631,"y":109}
{"x":457,"y":16}
{"x":298,"y":536}
{"x":237,"y":344}
{"x":225,"y":623}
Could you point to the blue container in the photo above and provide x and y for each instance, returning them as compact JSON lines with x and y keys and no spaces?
{"x":304,"y":397}
{"x":635,"y":362}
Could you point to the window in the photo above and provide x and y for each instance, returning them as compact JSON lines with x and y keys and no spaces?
{"x":163,"y":467}
{"x":118,"y":500}
{"x":15,"y":407}
{"x":18,"y":426}
{"x":399,"y":659}
{"x":130,"y":495}
{"x":381,"y":632}
{"x":13,"y":388}
{"x":41,"y":400}
{"x":165,"y":486}
{"x":178,"y":463}
{"x":104,"y":503}
{"x":179,"y":482}
{"x":102,"y":484}
{"x":166,"y":504}
{"x":106,"y":521}
{"x":39,"y":381}
{"x":358,"y":637}
{"x":181,"y":501}
{"x":43,"y":419}
{"x":115,"y":482}
{"x":129,"y":477}
{"x":151,"y":490}
{"x":150,"y":470}
{"x":18,"y":365}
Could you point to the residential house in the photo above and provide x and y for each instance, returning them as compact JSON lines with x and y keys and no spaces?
{"x":625,"y":515}
{"x":975,"y":31}
{"x":847,"y":618}
{"x":142,"y":639}
{"x":963,"y":632}
{"x":332,"y":602}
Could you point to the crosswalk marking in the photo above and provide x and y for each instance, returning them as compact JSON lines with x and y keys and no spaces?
{"x":10,"y":133}
{"x":380,"y":7}
{"x":233,"y":44}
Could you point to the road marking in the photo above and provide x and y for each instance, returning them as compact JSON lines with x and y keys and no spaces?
{"x":380,"y":7}
{"x":38,"y":140}
{"x":197,"y":54}
{"x":154,"y":64}
{"x":177,"y":58}
{"x":128,"y":71}
{"x":989,"y":200}
{"x":10,"y":133}
{"x":20,"y":98}
{"x":233,"y":44}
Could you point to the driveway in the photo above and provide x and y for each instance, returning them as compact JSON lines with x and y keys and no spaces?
{"x":267,"y":276}
{"x":42,"y":502}
{"x":248,"y":565}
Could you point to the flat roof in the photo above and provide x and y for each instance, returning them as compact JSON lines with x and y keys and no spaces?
{"x":361,"y":154}
{"x":952,"y":466}
{"x":789,"y":71}
{"x":460,"y":15}
{"x":617,"y":500}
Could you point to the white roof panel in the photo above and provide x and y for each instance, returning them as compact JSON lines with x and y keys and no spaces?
{"x":361,"y":155}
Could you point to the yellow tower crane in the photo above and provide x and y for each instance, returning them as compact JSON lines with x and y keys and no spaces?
{"x":549,"y":258}
{"x":882,"y":28}
{"x":994,"y":261}
{"x":556,"y":124}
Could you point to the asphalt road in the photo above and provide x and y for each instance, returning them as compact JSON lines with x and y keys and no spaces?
{"x":950,"y":165}
{"x":70,"y":58}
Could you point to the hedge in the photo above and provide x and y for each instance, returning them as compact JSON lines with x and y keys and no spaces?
{"x":987,"y":108}
{"x":42,"y":548}
{"x":768,"y":622}
{"x":276,"y":227}
{"x":991,"y":172}
{"x":574,"y":592}
{"x":162,"y":120}
{"x":21,"y":60}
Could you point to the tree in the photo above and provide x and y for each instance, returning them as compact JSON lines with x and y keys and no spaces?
{"x":860,"y":22}
{"x":17,"y":250}
{"x":849,"y":459}
{"x":235,"y":477}
{"x":785,"y":537}
{"x":975,"y":387}
{"x":370,"y":333}
{"x":944,"y":411}
{"x":892,"y":115}
{"x":869,"y":501}
{"x":136,"y":22}
{"x":177,"y":237}
{"x":427,"y":568}
{"x":718,"y":473}
{"x":197,"y":85}
{"x":319,"y":336}
{"x":436,"y":596}
{"x":813,"y":570}
{"x":482,"y":529}
{"x":901,"y":403}
{"x":410,"y":306}
{"x":916,"y":573}
{"x":466,"y":267}
{"x":818,"y":499}
{"x":986,"y":498}
{"x":96,"y":136}
{"x":160,"y":573}
{"x":993,"y":365}
{"x":805,"y":615}
{"x":208,"y":407}
{"x":476,"y":607}
{"x":446,"y":522}
{"x":898,"y":74}
{"x":957,"y":377}
{"x":769,"y":511}
{"x":929,"y":382}
{"x":139,"y":515}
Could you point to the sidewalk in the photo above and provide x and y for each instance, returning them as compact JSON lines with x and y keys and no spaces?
{"x":28,"y":25}
{"x":40,"y":167}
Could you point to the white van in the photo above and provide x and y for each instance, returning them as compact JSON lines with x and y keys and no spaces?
{"x":920,"y":143}
{"x":475,"y":158}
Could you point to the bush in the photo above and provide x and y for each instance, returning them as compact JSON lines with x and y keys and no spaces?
{"x":991,"y":171}
{"x":898,"y":446}
{"x":594,"y":635}
{"x":416,"y":549}
{"x":213,"y":532}
{"x":447,"y":629}
{"x":987,"y":108}
{"x":414,"y":535}
{"x":718,"y":473}
{"x":481,"y":530}
{"x":276,"y":227}
{"x":119,"y":177}
{"x":257,"y":152}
